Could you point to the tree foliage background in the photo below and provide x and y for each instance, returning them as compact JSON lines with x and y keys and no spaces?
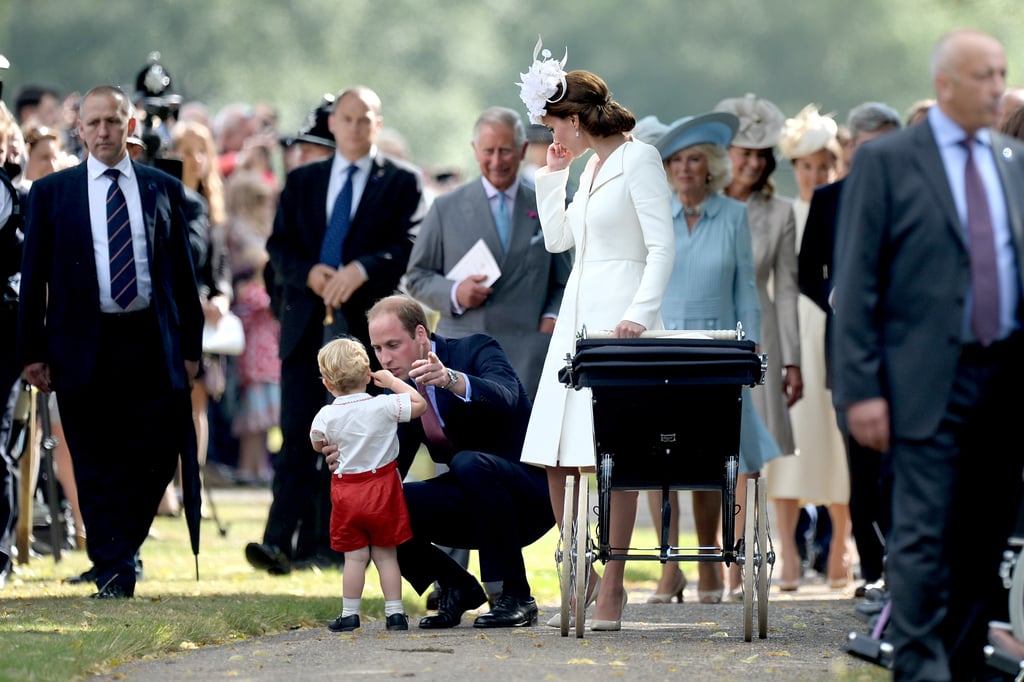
{"x":436,"y":64}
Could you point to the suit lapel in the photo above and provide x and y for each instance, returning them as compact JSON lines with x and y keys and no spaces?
{"x":478,"y":212}
{"x":933,"y":170}
{"x":372,"y":193}
{"x":610,"y":169}
{"x":1011,"y":174}
{"x":525,"y":223}
{"x":147,"y":198}
{"x":77,"y":204}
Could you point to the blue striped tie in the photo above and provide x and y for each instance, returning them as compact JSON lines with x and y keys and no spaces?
{"x":123,"y":282}
{"x":337,"y":227}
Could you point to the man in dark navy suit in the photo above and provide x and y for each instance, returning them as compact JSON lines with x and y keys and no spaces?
{"x":487,"y":500}
{"x":110,"y":319}
{"x":869,"y":491}
{"x":927,"y":348}
{"x":341,"y":240}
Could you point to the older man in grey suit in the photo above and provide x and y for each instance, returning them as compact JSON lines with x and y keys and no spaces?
{"x":519,"y":308}
{"x":927,"y":345}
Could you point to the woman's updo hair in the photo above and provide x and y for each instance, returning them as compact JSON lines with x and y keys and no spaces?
{"x":587,"y":96}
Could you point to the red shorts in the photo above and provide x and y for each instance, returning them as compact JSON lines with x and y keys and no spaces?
{"x":368,"y":509}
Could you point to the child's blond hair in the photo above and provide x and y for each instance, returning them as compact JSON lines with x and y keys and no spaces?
{"x":344,"y":364}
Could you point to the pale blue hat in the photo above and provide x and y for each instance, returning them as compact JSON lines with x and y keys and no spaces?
{"x":716,"y":128}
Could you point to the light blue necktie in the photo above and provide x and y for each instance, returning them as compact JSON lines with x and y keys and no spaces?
{"x":337,"y":227}
{"x":502,"y":222}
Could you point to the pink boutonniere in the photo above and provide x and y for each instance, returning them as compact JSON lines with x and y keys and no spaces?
{"x":531,"y":214}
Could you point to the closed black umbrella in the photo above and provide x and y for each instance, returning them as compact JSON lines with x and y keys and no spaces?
{"x":191,"y":483}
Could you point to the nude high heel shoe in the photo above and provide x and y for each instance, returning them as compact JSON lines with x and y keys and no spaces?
{"x":556,"y":620}
{"x":610,"y":625}
{"x":676,"y":591}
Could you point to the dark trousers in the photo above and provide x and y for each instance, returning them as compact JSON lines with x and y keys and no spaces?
{"x":955,"y":498}
{"x":10,"y":388}
{"x":125,"y":432}
{"x":482,"y":502}
{"x":298,"y":522}
{"x":870,"y":504}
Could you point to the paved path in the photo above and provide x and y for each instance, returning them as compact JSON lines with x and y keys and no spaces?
{"x":806,"y":633}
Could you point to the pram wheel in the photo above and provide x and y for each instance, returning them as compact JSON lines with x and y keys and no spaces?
{"x":574,"y":555}
{"x":748,"y":546}
{"x":583,"y":554}
{"x":764,"y":557}
{"x":563,"y":555}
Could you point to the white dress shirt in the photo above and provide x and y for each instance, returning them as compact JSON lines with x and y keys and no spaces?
{"x":99,"y":185}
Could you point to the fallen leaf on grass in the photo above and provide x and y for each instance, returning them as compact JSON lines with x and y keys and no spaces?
{"x":719,"y":634}
{"x":580,"y":661}
{"x":777,"y":653}
{"x":750,"y":659}
{"x":188,"y":645}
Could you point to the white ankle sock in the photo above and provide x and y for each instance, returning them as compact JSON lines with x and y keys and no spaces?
{"x":350,"y":607}
{"x":393,"y":606}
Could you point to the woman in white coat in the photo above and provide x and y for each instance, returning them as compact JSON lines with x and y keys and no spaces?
{"x":620,"y":225}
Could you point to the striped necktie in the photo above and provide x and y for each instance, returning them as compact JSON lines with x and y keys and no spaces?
{"x":123,"y":280}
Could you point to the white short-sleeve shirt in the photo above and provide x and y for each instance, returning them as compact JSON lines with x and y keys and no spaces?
{"x":364,"y":427}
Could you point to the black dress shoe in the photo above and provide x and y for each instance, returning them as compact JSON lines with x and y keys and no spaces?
{"x":433,"y":599}
{"x":113,"y":591}
{"x":510,"y":612}
{"x":398,"y":621}
{"x":85,"y":577}
{"x":451,"y":605}
{"x":267,"y":558}
{"x":345,"y":623}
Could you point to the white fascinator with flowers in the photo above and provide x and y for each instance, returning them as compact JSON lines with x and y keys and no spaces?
{"x":542,"y":81}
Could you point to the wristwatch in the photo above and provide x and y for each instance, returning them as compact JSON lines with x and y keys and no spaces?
{"x":453,"y":378}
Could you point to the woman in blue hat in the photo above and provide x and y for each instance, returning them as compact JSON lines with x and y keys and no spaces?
{"x":712,"y":287}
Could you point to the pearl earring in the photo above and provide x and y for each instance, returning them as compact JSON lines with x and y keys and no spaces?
{"x":577,"y":132}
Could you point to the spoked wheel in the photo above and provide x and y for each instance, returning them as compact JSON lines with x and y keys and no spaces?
{"x":764,"y":556}
{"x":729,"y":496}
{"x":563,"y":555}
{"x":584,"y":555}
{"x":604,"y":491}
{"x":1017,"y":597}
{"x":749,"y":547}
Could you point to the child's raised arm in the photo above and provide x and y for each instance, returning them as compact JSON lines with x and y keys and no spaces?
{"x":386,"y":379}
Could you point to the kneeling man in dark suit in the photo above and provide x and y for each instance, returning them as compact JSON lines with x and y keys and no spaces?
{"x":488,"y":500}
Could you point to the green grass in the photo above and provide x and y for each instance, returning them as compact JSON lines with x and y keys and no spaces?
{"x":53,"y":631}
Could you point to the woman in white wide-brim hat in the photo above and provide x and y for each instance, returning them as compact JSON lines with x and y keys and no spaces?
{"x":820,"y":475}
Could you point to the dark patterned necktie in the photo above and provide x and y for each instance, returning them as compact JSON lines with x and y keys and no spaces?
{"x":123,"y":279}
{"x":982,"y":247}
{"x":337,"y":227}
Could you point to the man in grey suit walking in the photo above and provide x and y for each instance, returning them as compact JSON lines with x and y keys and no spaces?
{"x":927,"y":348}
{"x":519,"y":309}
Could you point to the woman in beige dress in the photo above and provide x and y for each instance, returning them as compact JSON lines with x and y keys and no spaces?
{"x":620,"y":224}
{"x":819,"y":475}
